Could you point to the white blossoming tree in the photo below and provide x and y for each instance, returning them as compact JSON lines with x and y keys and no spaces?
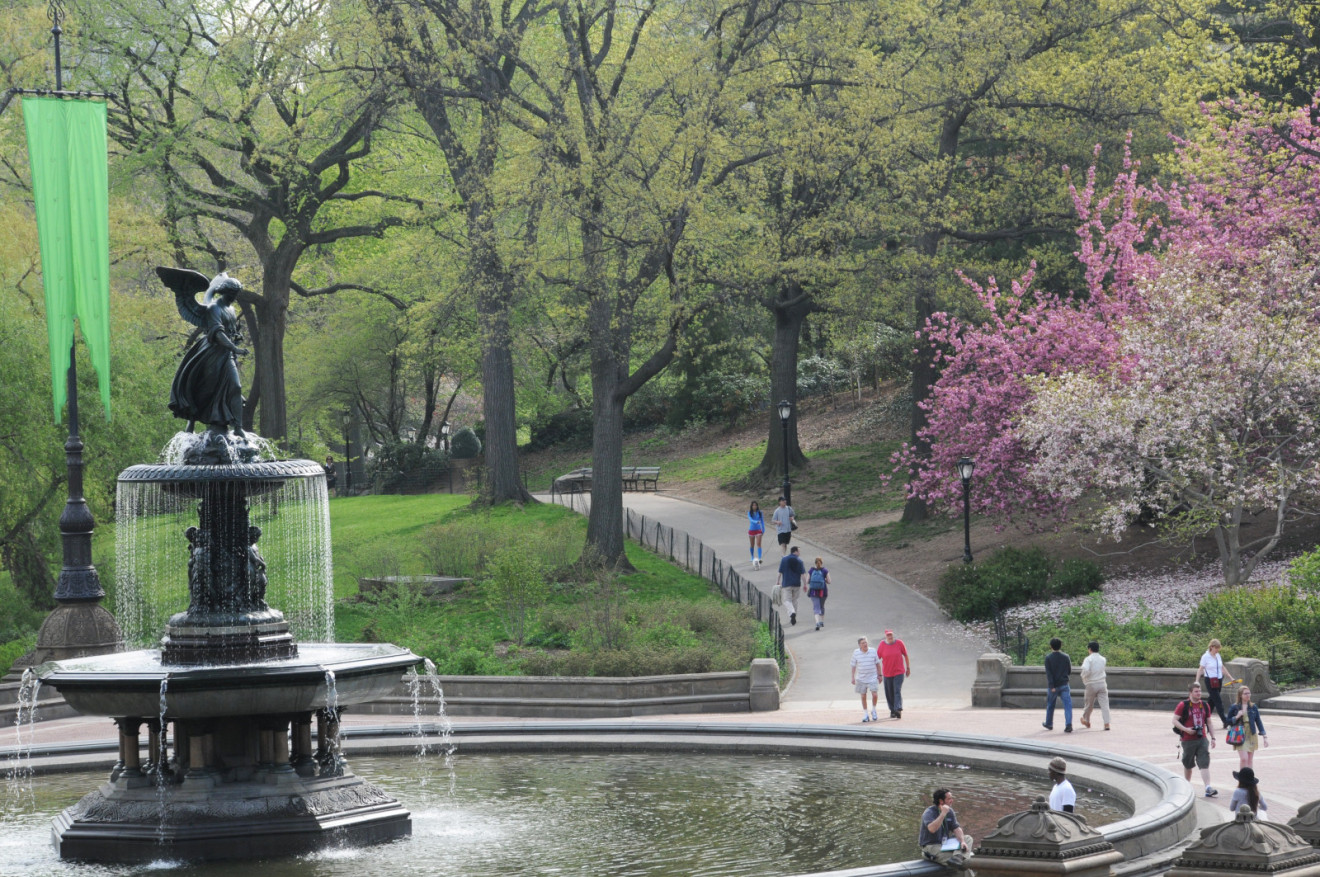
{"x":1207,"y":418}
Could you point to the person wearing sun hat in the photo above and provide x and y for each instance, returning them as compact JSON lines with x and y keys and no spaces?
{"x":1247,"y":792}
{"x":1062,"y":797}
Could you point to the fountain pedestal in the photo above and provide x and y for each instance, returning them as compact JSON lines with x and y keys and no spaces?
{"x":241,"y":779}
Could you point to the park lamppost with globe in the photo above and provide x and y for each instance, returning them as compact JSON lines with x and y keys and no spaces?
{"x":786,"y":412}
{"x":965,"y":468}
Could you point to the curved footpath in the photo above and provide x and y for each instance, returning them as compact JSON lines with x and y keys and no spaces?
{"x":862,"y":602}
{"x":937,"y":697}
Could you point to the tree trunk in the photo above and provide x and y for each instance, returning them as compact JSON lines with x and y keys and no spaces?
{"x":924,"y":373}
{"x":273,"y":315}
{"x":790,"y":311}
{"x":494,"y":301}
{"x":605,"y":520}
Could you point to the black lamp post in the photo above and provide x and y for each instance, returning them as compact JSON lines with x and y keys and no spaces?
{"x":444,"y":436}
{"x":348,"y":454}
{"x":965,"y":468}
{"x":786,"y":412}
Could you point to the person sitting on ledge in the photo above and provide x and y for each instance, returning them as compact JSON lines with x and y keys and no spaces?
{"x":941,"y":838}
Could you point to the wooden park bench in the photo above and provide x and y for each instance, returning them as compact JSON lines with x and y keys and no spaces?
{"x":644,"y":475}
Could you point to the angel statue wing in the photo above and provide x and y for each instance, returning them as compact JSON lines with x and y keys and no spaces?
{"x":185,"y":284}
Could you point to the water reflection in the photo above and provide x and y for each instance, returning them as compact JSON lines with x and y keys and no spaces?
{"x":633,"y":815}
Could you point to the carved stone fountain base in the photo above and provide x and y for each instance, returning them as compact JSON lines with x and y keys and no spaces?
{"x":272,"y":814}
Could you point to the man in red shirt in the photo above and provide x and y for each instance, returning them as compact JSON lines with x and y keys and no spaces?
{"x":895,"y":666}
{"x":1191,"y":719}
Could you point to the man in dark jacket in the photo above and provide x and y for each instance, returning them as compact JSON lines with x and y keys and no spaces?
{"x":1058,"y":667}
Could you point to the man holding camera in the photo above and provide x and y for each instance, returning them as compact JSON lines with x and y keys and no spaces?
{"x":1191,"y":719}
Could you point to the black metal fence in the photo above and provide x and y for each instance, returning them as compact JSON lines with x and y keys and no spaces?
{"x":696,"y":557}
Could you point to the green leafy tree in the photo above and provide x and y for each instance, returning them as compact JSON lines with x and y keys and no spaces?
{"x":247,"y":121}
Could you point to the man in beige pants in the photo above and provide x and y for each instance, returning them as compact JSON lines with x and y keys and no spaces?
{"x":1097,"y":690}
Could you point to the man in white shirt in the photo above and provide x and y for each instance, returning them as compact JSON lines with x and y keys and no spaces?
{"x":866,"y":677}
{"x":1097,"y":690}
{"x":1062,"y":797}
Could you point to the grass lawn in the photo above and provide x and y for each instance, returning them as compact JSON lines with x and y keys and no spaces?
{"x":658,"y":619}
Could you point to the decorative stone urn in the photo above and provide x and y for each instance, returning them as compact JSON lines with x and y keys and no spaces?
{"x":1247,"y":845}
{"x":1307,"y":823}
{"x":1044,"y":841}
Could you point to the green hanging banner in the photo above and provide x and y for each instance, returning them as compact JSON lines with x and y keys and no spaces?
{"x":67,"y":151}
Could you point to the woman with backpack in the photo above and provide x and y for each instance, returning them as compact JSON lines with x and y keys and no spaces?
{"x":818,"y":580}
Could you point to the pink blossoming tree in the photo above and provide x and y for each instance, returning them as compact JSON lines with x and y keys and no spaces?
{"x":1192,"y":330}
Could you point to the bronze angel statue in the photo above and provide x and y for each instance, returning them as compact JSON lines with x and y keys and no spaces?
{"x":206,"y":387}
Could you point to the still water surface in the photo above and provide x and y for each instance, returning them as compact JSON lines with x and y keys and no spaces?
{"x":617,"y":815}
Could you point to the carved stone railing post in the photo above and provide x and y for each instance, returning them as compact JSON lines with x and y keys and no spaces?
{"x":1307,"y":823}
{"x":1041,"y":841}
{"x":1248,"y":846}
{"x":991,"y":675}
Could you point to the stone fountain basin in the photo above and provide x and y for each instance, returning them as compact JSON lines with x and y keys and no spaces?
{"x":129,"y":683}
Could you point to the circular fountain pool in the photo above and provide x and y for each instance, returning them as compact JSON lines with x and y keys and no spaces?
{"x":632,"y":815}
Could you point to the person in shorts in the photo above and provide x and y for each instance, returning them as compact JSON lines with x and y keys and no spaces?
{"x":755,"y":530}
{"x":783,"y":520}
{"x":940,"y":824}
{"x":866,"y":677}
{"x":1191,"y":719}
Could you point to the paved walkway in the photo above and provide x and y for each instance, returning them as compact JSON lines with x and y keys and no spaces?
{"x":862,"y":601}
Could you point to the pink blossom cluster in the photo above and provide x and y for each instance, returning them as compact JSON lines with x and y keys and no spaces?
{"x":1180,"y":376}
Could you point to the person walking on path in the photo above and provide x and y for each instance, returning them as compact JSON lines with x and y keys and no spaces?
{"x":1253,"y":732}
{"x":940,"y":837}
{"x":1058,"y":667}
{"x":818,"y":582}
{"x":1191,"y":719}
{"x":1062,"y":797}
{"x":789,"y":583}
{"x":784,"y":524}
{"x":1097,"y":689}
{"x":895,"y":665}
{"x":755,"y":530}
{"x":1247,"y":792}
{"x":331,"y":477}
{"x":1212,"y":668}
{"x":865,"y":677}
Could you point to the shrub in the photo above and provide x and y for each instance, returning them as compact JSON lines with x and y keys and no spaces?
{"x":1304,"y":572}
{"x":569,"y":429}
{"x":396,"y":463}
{"x":15,"y":649}
{"x":465,"y":445}
{"x":1018,"y":575}
{"x":1012,"y":577}
{"x":1076,"y":577}
{"x":515,"y":589}
{"x":965,"y":595}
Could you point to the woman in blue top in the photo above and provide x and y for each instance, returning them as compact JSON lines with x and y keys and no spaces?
{"x":1245,"y":711}
{"x":755,"y":530}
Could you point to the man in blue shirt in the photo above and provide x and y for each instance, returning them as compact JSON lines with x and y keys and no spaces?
{"x":791,"y":573}
{"x":1058,"y":667}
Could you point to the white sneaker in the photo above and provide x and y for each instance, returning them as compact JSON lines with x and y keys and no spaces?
{"x":866,"y":719}
{"x":874,"y":716}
